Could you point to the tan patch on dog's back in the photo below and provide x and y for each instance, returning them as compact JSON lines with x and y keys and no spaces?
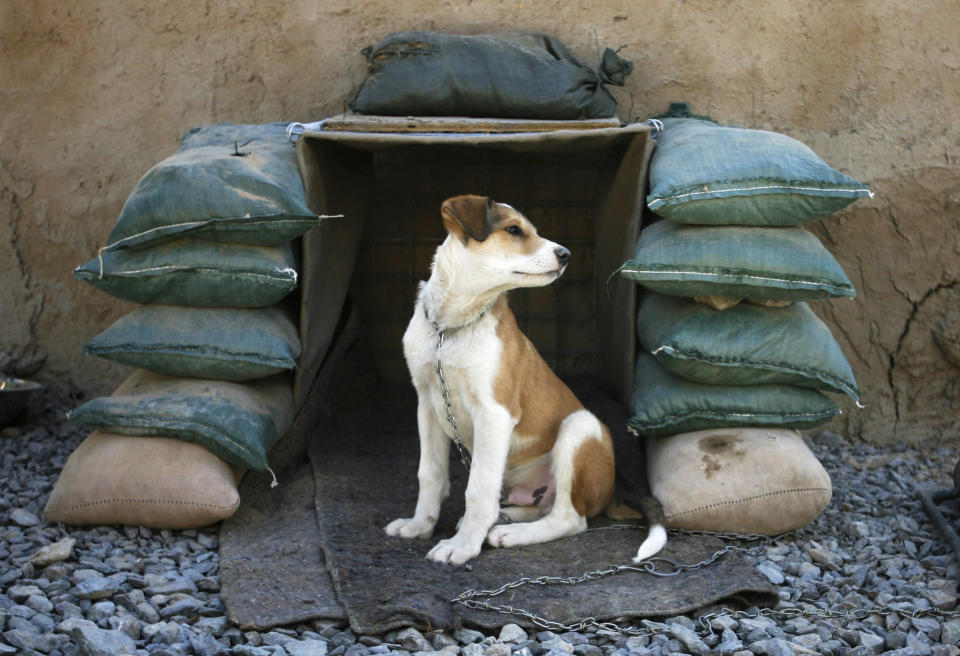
{"x":530,"y":391}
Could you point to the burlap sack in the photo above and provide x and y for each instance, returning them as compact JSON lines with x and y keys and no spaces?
{"x":156,"y":482}
{"x":745,"y":480}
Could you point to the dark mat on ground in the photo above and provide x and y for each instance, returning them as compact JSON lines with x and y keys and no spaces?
{"x":365,"y":469}
{"x":271,"y":566}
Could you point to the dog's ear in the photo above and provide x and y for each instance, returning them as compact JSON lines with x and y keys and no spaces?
{"x":468,"y":217}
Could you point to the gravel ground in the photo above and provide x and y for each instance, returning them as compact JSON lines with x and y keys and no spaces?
{"x":860,"y":571}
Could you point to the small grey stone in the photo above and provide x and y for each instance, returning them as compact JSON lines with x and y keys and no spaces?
{"x":513,"y":633}
{"x":557,"y":644}
{"x":693,"y":643}
{"x":20,"y":593}
{"x":497,"y":649}
{"x":126,"y":623}
{"x":772,"y":572}
{"x":467,"y":636}
{"x":586,"y":649}
{"x":895,"y":640}
{"x":440,"y":640}
{"x":807,"y":641}
{"x":186,"y":607}
{"x":950,"y":632}
{"x":7,"y":650}
{"x":215,"y":626}
{"x":180,"y":584}
{"x":928,"y":625}
{"x":95,"y":641}
{"x":23,"y":518}
{"x":100,"y":588}
{"x":772,"y":647}
{"x":39,"y":603}
{"x":306,"y":647}
{"x":147,"y":612}
{"x":472,"y":649}
{"x":249,"y":650}
{"x":42,"y":642}
{"x":204,"y":644}
{"x":871,"y":641}
{"x":412,"y":640}
{"x":101,"y":611}
{"x":164,"y":633}
{"x":53,"y":553}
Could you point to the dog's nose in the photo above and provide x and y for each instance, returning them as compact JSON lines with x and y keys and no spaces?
{"x":563,"y":255}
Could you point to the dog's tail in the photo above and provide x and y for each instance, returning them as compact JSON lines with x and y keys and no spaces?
{"x":651,"y":510}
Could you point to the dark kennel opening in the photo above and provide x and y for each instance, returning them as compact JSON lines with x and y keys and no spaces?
{"x":581,"y":188}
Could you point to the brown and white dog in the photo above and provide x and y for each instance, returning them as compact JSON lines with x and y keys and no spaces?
{"x":532,"y":443}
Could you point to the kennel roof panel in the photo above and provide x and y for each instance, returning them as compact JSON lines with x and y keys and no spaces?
{"x":382,"y":132}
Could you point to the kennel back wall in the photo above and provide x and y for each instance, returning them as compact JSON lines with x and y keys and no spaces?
{"x":581,"y":188}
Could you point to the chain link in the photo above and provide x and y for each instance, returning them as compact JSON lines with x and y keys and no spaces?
{"x":457,"y":438}
{"x":478,"y":599}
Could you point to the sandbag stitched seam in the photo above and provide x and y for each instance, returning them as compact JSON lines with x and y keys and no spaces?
{"x":161,"y":270}
{"x":239,"y":221}
{"x":177,"y":420}
{"x":730,"y":273}
{"x":708,"y":414}
{"x":211,"y":352}
{"x":819,"y":374}
{"x":783,"y":186}
{"x":101,"y":502}
{"x":720,"y":504}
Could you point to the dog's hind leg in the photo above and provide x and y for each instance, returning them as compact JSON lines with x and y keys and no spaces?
{"x":433,"y":475}
{"x":583,"y":473}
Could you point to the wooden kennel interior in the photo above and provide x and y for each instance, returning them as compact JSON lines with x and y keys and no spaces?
{"x":581,"y":183}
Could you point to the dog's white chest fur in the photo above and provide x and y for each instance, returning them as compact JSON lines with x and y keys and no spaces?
{"x":470,"y":359}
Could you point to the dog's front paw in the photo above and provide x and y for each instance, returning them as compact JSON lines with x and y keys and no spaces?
{"x":453,"y":551}
{"x":506,"y":535}
{"x":410,"y":527}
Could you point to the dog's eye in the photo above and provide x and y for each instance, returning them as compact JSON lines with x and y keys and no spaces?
{"x":514,"y":230}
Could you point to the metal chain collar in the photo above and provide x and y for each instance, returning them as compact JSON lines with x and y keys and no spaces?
{"x":477,"y":599}
{"x":457,"y":438}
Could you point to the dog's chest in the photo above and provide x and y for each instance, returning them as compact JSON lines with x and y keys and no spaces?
{"x":469,"y":360}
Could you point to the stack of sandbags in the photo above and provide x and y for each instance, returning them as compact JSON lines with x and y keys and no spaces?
{"x":734,"y":360}
{"x":204,"y":242}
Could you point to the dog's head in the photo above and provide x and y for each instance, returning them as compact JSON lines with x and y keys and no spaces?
{"x":500,"y":245}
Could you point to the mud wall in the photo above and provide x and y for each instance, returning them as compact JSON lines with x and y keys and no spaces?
{"x":91,"y":95}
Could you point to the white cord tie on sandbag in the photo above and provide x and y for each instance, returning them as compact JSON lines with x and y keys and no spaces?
{"x":274,"y":482}
{"x":655,"y":124}
{"x":296,"y":130}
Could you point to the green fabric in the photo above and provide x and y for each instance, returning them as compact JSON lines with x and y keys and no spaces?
{"x":205,"y":189}
{"x":787,"y":263}
{"x":743,"y":345}
{"x":215,"y":343}
{"x":665,"y":404}
{"x":708,"y":174}
{"x":237,"y":422}
{"x":522,"y":75}
{"x":195,"y":273}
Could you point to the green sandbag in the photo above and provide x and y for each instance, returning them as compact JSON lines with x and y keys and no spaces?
{"x":233,"y":183}
{"x":780,"y":264}
{"x":237,"y":422}
{"x":234,"y":344}
{"x":744,"y":345}
{"x":708,"y":174}
{"x":665,"y":404}
{"x":518,"y":75}
{"x":195,"y":273}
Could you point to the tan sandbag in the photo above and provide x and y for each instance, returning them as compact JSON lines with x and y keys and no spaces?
{"x":157,"y":482}
{"x":744,"y":480}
